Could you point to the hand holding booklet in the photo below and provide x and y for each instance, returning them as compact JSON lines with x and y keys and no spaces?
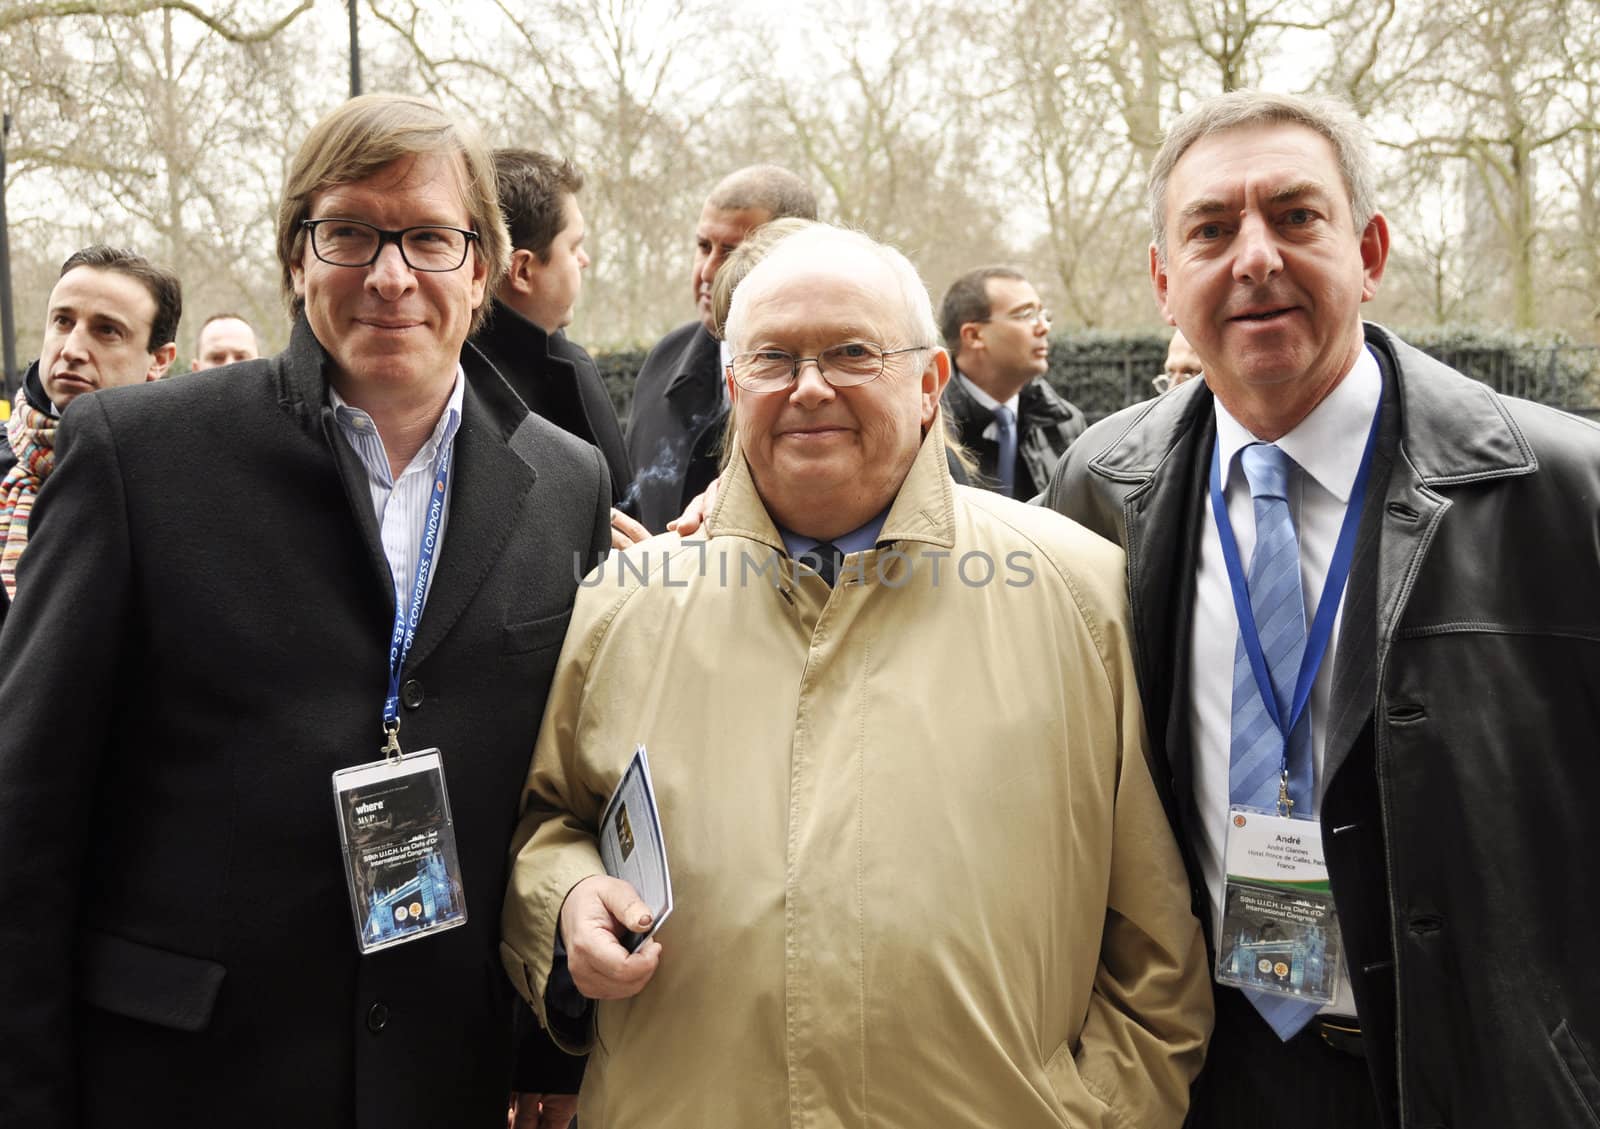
{"x":631,"y":846}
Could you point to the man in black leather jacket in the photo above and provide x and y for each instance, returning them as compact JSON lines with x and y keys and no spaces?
{"x":1454,"y":715}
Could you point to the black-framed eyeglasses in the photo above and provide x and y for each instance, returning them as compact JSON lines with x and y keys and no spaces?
{"x":351,"y":243}
{"x":843,"y":366}
{"x":1030,"y":315}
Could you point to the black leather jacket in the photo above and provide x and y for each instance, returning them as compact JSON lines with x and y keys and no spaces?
{"x":1461,"y":751}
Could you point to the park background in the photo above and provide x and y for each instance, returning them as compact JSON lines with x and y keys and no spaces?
{"x":1014,"y":131}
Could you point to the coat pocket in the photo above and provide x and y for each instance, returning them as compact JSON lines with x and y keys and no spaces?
{"x":1579,"y":1071}
{"x":143,"y":982}
{"x":536,"y":634}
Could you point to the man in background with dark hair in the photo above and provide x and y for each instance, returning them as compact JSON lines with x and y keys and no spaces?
{"x":1003,"y":409}
{"x":224,"y":339}
{"x":680,"y":403}
{"x":524,"y":338}
{"x":112,"y":319}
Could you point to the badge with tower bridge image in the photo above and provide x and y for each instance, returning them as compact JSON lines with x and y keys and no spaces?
{"x":1279,"y":932}
{"x":399,"y":850}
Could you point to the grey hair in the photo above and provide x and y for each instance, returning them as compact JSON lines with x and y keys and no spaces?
{"x":1333,"y":118}
{"x":913,"y":292}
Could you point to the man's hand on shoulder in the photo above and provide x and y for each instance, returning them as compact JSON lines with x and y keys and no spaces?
{"x":694,"y":514}
{"x":597,"y":911}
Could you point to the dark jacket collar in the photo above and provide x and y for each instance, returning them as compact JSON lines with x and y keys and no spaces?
{"x":302,"y":374}
{"x":515,"y":331}
{"x":1037,"y":403}
{"x":962,"y":404}
{"x":701,"y":356}
{"x":1453,"y":429}
{"x":33,"y":389}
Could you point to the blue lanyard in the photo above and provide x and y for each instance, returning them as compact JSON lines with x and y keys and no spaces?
{"x":405,"y":620}
{"x":1332,"y":590}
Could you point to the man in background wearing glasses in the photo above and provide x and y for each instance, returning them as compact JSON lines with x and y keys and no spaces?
{"x":1003,"y":408}
{"x":238,"y":584}
{"x":894,"y":907}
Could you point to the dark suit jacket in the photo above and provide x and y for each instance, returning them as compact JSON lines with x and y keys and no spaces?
{"x":559,"y":382}
{"x":1047,"y":424}
{"x":202,"y":642}
{"x":1459,"y":751}
{"x":677,"y":417}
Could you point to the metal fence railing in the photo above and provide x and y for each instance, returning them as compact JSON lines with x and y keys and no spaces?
{"x":1562,"y":376}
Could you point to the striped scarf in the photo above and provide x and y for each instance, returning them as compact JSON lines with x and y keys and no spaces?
{"x":32,"y":435}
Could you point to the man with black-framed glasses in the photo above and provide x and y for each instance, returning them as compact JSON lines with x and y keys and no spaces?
{"x":284,"y":640}
{"x":1002,"y":405}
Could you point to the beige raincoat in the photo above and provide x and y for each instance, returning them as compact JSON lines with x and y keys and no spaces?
{"x":922,"y":877}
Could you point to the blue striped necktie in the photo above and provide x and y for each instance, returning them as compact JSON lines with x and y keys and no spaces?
{"x":1256,"y":746}
{"x":1005,"y":467}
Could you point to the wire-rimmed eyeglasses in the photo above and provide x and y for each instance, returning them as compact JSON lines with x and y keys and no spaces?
{"x":1028,"y":315}
{"x":351,"y":243}
{"x":845,"y":365}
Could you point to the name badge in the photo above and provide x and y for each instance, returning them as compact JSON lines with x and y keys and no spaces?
{"x":399,"y":850}
{"x":1279,"y":932}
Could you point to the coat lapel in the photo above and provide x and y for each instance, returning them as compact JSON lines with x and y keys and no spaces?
{"x":1165,"y":452}
{"x":1355,"y":666}
{"x":303,"y":390}
{"x":689,"y":391}
{"x":1440,"y":430}
{"x":492,"y":480}
{"x":358,"y":494}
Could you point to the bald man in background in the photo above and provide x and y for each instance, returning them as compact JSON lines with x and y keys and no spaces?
{"x":680,"y":406}
{"x":223,"y":340}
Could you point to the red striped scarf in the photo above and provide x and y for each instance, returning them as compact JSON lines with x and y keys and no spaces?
{"x":32,"y":435}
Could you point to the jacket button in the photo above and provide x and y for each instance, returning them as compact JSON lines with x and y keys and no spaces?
{"x":377,"y":1017}
{"x":411,"y":694}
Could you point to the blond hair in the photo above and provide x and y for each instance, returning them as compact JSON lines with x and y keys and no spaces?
{"x":367,"y":134}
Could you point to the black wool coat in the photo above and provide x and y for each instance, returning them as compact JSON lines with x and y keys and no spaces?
{"x":559,"y":382}
{"x":675,"y":424}
{"x":200,"y":641}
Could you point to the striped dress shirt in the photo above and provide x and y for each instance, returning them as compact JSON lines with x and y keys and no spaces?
{"x":402,"y":504}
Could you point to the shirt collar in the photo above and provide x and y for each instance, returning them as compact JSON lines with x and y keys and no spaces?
{"x":984,"y":398}
{"x":1328,"y":443}
{"x":858,"y":540}
{"x":353,"y":420}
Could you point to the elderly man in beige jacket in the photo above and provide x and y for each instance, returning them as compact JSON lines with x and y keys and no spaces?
{"x":922,"y":876}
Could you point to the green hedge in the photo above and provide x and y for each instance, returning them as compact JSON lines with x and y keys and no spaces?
{"x":1104,"y":371}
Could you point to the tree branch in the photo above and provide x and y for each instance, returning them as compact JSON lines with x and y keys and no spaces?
{"x":34,"y":12}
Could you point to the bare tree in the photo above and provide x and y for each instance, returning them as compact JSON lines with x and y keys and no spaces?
{"x":1500,"y":83}
{"x":14,"y":14}
{"x":621,"y":86}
